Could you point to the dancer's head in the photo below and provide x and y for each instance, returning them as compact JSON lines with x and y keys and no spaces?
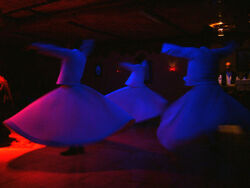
{"x":144,"y":63}
{"x":87,"y":46}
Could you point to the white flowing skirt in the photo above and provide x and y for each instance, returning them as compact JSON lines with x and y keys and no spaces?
{"x":69,"y":116}
{"x":200,"y":111}
{"x":140,"y":102}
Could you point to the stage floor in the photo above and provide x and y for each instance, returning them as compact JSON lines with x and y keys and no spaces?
{"x":130,"y":159}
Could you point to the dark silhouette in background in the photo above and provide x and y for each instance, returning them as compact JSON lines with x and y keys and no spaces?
{"x":6,"y":106}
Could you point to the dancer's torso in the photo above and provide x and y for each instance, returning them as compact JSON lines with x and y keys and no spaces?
{"x":72,"y":69}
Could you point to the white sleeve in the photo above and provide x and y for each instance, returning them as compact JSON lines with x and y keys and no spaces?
{"x":178,"y":51}
{"x":53,"y":50}
{"x":225,"y":51}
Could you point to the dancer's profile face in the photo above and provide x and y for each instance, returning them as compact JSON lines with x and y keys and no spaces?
{"x":87,"y":46}
{"x":144,"y":63}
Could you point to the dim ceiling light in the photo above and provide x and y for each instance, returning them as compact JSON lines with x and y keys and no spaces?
{"x":220,"y":32}
{"x":216,"y":24}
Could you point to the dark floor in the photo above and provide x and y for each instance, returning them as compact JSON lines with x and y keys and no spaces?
{"x":133,"y":158}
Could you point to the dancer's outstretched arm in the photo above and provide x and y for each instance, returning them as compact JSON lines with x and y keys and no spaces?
{"x":127,"y":66}
{"x":52,"y":50}
{"x":178,"y":51}
{"x":225,"y":51}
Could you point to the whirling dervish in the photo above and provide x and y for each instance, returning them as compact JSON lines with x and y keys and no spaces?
{"x":206,"y":106}
{"x":73,"y":114}
{"x":137,"y":99}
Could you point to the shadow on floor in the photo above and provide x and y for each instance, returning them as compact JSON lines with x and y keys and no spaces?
{"x":103,"y":156}
{"x":222,"y":163}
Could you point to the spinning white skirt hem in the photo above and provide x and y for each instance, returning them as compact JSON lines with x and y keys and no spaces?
{"x":69,"y":116}
{"x":200,"y":111}
{"x":140,"y":102}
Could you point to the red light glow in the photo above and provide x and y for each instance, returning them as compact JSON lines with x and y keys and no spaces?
{"x":17,"y":148}
{"x":172,"y":69}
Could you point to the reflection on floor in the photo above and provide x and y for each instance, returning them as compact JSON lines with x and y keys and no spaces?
{"x":133,"y":158}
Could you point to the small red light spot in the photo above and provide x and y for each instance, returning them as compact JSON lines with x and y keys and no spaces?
{"x":172,"y":69}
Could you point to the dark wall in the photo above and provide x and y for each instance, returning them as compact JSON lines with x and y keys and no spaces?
{"x":29,"y":75}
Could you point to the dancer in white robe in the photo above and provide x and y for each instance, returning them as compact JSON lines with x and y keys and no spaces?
{"x":73,"y":114}
{"x":206,"y":106}
{"x":137,"y":99}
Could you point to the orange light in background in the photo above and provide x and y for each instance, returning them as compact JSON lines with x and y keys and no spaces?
{"x":228,"y":64}
{"x":216,"y":24}
{"x":220,"y":32}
